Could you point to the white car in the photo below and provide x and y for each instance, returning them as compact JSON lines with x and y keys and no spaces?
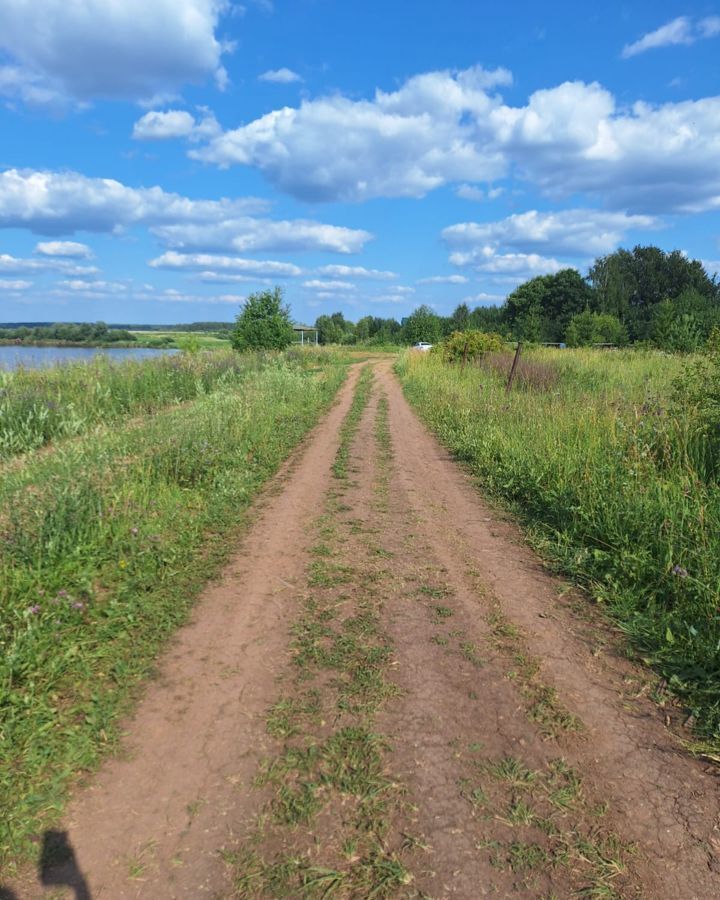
{"x":422,"y":345}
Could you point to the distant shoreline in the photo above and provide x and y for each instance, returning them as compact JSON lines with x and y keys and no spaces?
{"x":98,"y":345}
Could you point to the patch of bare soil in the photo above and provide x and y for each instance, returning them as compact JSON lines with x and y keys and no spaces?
{"x":388,"y":696}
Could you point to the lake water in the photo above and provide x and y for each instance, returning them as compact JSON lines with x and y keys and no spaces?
{"x":40,"y":357}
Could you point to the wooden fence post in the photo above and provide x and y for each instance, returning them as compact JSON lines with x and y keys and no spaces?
{"x":514,"y":366}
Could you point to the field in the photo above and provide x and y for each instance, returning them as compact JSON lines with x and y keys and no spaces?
{"x":195,"y":340}
{"x":387,"y":674}
{"x":600,"y":461}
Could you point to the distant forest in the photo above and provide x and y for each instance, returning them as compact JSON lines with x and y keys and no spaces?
{"x":66,"y":333}
{"x":93,"y":334}
{"x":644,"y":295}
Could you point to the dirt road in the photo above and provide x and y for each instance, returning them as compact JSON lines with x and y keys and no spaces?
{"x":387,"y":695}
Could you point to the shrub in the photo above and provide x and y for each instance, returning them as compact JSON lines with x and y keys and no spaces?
{"x":469,"y":345}
{"x":588,"y":328}
{"x":675,"y":331}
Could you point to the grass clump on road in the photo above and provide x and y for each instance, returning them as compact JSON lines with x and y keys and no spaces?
{"x":613,"y":462}
{"x":104,"y":543}
{"x":352,"y":422}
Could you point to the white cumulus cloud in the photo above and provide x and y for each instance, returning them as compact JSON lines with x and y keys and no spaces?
{"x":94,"y":287}
{"x":215,"y":263}
{"x":485,"y":299}
{"x":280,"y":76}
{"x":646,"y":159}
{"x":682,"y":30}
{"x":87,"y":49}
{"x":7,"y":284}
{"x":444,"y":279}
{"x":247,"y":234}
{"x":64,"y":202}
{"x":471,"y":192}
{"x":15,"y":265}
{"x":518,"y":266}
{"x":447,"y":127}
{"x":400,"y":144}
{"x":58,"y":203}
{"x":320,"y":285}
{"x":573,"y":232}
{"x":356,"y":272}
{"x":175,"y":123}
{"x":70,"y":249}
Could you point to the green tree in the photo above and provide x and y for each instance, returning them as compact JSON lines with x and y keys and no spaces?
{"x":363,"y":329}
{"x":588,"y":328}
{"x":632,"y":283}
{"x":673,"y":330}
{"x":264,"y":323}
{"x":422,"y":325}
{"x":541,"y":309}
{"x":488,"y":319}
{"x":459,"y":320}
{"x":334,"y":329}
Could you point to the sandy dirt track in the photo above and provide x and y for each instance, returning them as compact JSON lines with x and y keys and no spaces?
{"x":531,"y":761}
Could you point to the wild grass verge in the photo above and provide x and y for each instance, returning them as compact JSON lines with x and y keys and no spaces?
{"x":104,"y":544}
{"x":615,"y":492}
{"x":38,"y":406}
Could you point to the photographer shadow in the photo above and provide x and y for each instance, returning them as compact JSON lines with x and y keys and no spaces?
{"x":57,"y":867}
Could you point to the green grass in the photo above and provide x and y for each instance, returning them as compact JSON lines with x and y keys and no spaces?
{"x":551,"y":827}
{"x":603,"y":470}
{"x":196,"y":340}
{"x":39,"y":406}
{"x":42,"y":405}
{"x":351,"y":423}
{"x":104,"y":543}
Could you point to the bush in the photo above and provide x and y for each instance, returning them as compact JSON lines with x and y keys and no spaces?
{"x":469,"y":345}
{"x":675,"y":331}
{"x":587,"y":328}
{"x":264,"y":323}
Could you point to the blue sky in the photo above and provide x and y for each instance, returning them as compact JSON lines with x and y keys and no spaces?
{"x":161,"y":159}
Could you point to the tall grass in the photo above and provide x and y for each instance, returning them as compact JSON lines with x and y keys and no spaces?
{"x":615,"y":489}
{"x":104,"y":542}
{"x":41,"y":405}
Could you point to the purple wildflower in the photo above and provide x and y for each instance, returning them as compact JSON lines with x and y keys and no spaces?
{"x":78,"y":604}
{"x":679,"y":571}
{"x":34,"y":609}
{"x":62,"y":593}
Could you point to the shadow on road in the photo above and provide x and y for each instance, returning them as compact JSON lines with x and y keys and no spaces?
{"x":57,"y":867}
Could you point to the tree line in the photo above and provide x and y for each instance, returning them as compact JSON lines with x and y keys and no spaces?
{"x":643,"y":295}
{"x":92,"y":333}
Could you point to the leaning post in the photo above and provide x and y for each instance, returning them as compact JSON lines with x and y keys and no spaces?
{"x":514,"y":366}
